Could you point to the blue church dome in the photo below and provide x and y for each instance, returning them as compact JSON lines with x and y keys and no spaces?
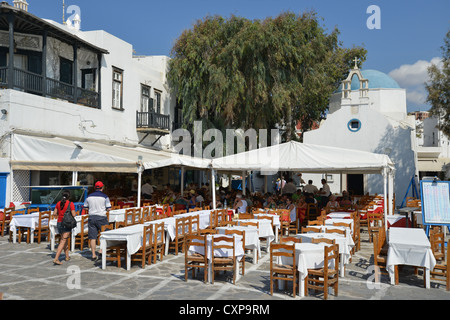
{"x":377,"y":80}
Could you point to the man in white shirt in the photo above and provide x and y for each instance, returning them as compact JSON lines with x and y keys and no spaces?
{"x":325,"y":192}
{"x":310,"y":188}
{"x":147,"y":190}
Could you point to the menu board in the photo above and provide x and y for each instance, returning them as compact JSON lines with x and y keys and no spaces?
{"x":435,"y":202}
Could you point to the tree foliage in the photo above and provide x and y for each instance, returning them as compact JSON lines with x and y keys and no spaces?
{"x":439,"y":88}
{"x":240,"y":73}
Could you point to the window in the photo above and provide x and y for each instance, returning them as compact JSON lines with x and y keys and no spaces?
{"x":88,"y":79}
{"x":146,"y":101}
{"x":354,"y":125}
{"x":117,"y":102}
{"x":158,"y":101}
{"x":66,"y":71}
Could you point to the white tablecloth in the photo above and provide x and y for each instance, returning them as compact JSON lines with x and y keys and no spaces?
{"x":239,"y":252}
{"x":307,"y":256}
{"x":251,"y":238}
{"x":265,"y":228}
{"x":24,"y":220}
{"x":409,"y":246}
{"x":345,"y":245}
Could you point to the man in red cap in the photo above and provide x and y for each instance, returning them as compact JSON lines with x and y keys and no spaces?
{"x":97,"y":204}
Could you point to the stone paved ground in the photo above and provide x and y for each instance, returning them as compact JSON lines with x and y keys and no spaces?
{"x":27,"y":273}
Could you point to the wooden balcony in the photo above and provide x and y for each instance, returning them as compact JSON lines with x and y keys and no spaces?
{"x":37,"y":84}
{"x":152,"y":123}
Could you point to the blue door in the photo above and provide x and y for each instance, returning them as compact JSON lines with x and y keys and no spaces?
{"x":3,"y":178}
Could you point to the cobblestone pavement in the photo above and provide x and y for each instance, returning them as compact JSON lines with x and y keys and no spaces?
{"x":27,"y":273}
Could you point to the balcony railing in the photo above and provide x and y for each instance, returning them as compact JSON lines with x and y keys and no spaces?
{"x":152,"y":120}
{"x":35,"y":83}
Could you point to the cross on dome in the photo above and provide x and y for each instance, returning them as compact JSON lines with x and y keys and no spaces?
{"x":356,"y":62}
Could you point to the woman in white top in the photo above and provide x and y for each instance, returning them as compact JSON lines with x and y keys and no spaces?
{"x":292,"y":209}
{"x":240,"y":205}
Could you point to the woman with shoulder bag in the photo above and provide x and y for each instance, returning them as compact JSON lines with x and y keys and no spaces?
{"x":60,"y":209}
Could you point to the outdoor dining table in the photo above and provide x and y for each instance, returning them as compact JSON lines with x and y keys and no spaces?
{"x":265,"y":229}
{"x":307,"y":256}
{"x":132,"y":235}
{"x":330,"y":222}
{"x":251,"y":238}
{"x":30,"y":221}
{"x":239,"y":252}
{"x":54,"y":231}
{"x":276,"y":221}
{"x":409,"y":246}
{"x":407,"y":212}
{"x":345,"y":246}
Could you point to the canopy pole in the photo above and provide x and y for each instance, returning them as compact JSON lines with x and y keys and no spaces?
{"x":385,"y":178}
{"x":213,"y":186}
{"x":74,"y":178}
{"x":391,"y":191}
{"x":244,"y":177}
{"x":182,"y":181}
{"x":139,"y":172}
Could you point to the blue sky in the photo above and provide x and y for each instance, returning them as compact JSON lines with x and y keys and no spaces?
{"x":410,"y":37}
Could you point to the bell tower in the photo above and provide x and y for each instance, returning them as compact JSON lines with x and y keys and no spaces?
{"x":21,"y":4}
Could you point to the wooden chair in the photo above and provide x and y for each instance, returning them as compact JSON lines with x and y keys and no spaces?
{"x":380,"y":249}
{"x":208,"y":231}
{"x":227,"y":223}
{"x":177,"y":212}
{"x":323,"y":240}
{"x":165,"y":209}
{"x":158,"y":243}
{"x":145,"y":217}
{"x":194,"y":224}
{"x":213,"y":220}
{"x":143,"y":254}
{"x":437,"y":241}
{"x":82,"y":237}
{"x":241,"y":233}
{"x":181,"y":227}
{"x":249,"y":224}
{"x":194,"y":260}
{"x":283,"y":271}
{"x":374,"y":221}
{"x":341,"y":232}
{"x":318,"y":222}
{"x":220,"y":263}
{"x":323,"y":278}
{"x":285,"y":240}
{"x":153,"y":213}
{"x":31,"y":210}
{"x":312,"y":211}
{"x":441,"y":271}
{"x":285,"y":222}
{"x":5,"y":220}
{"x":246,"y":216}
{"x":19,"y":230}
{"x":311,"y":229}
{"x":43,"y":229}
{"x":116,"y":252}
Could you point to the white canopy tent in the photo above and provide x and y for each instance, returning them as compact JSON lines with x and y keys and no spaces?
{"x":302,"y":157}
{"x":34,"y":152}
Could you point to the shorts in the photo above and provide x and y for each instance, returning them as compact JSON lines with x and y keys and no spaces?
{"x":62,"y":229}
{"x":95,"y":224}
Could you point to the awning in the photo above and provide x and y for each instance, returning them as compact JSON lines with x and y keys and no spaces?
{"x":302,"y":157}
{"x":58,"y":154}
{"x":432,"y":164}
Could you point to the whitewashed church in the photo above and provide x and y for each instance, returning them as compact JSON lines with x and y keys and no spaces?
{"x":369,"y":113}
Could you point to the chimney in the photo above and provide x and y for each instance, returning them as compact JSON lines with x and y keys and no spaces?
{"x":21,"y":4}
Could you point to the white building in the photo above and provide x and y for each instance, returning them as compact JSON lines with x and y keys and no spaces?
{"x":433,"y":150}
{"x":59,"y":81}
{"x":369,"y":113}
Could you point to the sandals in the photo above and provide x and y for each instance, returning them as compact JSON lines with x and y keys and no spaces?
{"x":57,"y":262}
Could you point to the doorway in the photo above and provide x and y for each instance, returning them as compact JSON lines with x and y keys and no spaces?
{"x":355,"y":184}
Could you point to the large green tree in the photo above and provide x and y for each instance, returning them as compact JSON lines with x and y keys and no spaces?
{"x":439,"y":88}
{"x":240,"y":73}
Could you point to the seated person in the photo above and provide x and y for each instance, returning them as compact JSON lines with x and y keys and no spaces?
{"x":332,"y":202}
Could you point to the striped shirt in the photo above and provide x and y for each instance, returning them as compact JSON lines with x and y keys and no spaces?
{"x":97,"y":203}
